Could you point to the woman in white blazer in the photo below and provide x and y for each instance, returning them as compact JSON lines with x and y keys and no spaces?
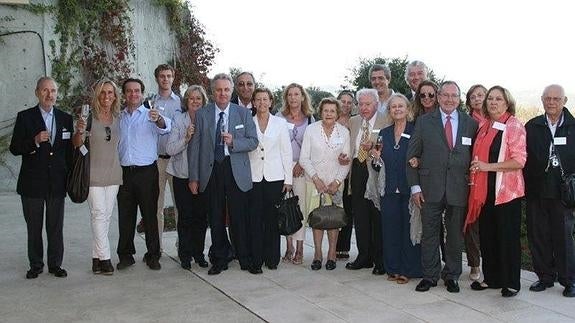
{"x":271,"y":166}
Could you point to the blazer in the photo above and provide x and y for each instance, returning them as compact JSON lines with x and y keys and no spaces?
{"x":355,"y":124}
{"x":394,"y":159}
{"x":442,"y":172}
{"x":272,"y":159}
{"x":45,"y":168}
{"x":201,"y":147}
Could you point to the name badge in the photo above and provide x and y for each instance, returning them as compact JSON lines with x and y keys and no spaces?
{"x":466,"y":141}
{"x":83,"y":150}
{"x":240,"y":126}
{"x":376,"y":131}
{"x":499,"y":126}
{"x":290,"y":126}
{"x":404,"y":135}
{"x":560,"y":141}
{"x":66,"y":135}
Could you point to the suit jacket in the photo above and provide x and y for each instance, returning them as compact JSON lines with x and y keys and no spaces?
{"x":272,"y":159}
{"x":201,"y":147}
{"x":355,"y":123}
{"x":442,"y":172}
{"x":45,"y":168}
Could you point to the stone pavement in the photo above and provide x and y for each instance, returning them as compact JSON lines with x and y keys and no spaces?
{"x":289,"y":294}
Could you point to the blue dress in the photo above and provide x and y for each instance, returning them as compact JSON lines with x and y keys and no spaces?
{"x":400,"y":255}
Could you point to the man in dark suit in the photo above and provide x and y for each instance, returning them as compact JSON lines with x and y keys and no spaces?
{"x":219,"y":165}
{"x":42,"y":136}
{"x":367,"y":220}
{"x":442,"y":142}
{"x":245,"y":85}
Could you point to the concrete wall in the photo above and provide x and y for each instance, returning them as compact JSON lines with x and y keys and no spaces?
{"x":21,"y":62}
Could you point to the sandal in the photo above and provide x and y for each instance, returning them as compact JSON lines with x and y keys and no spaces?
{"x":288,"y":256}
{"x":392,"y":277}
{"x":402,"y":280}
{"x":479,"y":286}
{"x":298,"y":259}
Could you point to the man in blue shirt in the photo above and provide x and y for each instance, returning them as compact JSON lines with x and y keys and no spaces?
{"x":140,"y":129}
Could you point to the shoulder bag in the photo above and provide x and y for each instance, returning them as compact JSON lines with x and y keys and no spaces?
{"x":289,"y":214}
{"x":78,"y":182}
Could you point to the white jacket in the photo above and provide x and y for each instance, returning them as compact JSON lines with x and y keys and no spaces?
{"x":272,"y":159}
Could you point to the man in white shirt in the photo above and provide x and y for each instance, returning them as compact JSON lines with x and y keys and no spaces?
{"x":380,"y":77}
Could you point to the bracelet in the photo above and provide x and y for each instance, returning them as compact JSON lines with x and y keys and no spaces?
{"x":337,"y":181}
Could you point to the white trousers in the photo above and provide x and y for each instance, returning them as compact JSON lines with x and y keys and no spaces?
{"x":101,"y":201}
{"x":163,"y":179}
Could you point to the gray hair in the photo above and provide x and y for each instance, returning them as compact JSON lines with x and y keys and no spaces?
{"x":221,"y":76}
{"x":372,"y":92}
{"x":412,"y":64}
{"x":557,"y":86}
{"x":191,"y":89}
{"x":246,"y":73}
{"x":380,"y":67}
{"x":43,"y":79}
{"x":445,"y":83}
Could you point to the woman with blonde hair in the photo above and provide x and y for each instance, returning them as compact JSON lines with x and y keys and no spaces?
{"x":298,"y":112}
{"x":105,"y":170}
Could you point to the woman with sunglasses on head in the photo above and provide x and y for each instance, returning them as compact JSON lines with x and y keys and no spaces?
{"x":105,"y":170}
{"x":192,"y":213}
{"x":425,"y":98}
{"x":298,"y":112}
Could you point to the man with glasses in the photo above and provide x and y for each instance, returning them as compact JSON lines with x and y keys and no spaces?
{"x":245,"y":87}
{"x":42,"y":136}
{"x":442,"y":141}
{"x":550,"y":146}
{"x":140,"y":129}
{"x":415,"y":73}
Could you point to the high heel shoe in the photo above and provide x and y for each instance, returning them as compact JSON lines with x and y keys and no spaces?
{"x":288,"y":256}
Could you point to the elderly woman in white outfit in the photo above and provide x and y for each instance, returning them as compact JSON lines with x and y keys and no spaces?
{"x":323,"y":143}
{"x":271,"y":167}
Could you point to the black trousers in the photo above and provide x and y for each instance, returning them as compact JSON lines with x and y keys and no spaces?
{"x":344,"y":237}
{"x":550,"y":233}
{"x":222,"y":188}
{"x":139,"y":189}
{"x":192,"y":221}
{"x":264,"y":236}
{"x":367,"y":219}
{"x":34,"y":215}
{"x":500,"y":231}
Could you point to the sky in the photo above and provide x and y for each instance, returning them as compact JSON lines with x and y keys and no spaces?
{"x":521,"y":45}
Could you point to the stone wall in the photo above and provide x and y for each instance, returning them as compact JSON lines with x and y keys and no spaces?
{"x":22,"y":62}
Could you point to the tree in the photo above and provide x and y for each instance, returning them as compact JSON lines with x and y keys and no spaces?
{"x":359,"y":77}
{"x":316,"y":94}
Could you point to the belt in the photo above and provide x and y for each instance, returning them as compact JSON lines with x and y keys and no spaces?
{"x":136,"y":168}
{"x":164,"y":156}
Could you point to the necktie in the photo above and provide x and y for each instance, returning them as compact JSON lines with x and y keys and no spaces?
{"x":362,"y":153}
{"x":449,"y":132}
{"x":219,"y":154}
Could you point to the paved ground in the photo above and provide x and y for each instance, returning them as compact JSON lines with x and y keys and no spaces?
{"x":289,"y":294}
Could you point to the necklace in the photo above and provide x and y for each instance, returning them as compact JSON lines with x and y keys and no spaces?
{"x":327,"y":140}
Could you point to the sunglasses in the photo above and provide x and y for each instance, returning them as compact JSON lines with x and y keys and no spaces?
{"x":108,"y":133}
{"x":426,"y":95}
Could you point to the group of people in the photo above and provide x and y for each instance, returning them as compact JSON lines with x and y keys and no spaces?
{"x":419,"y":178}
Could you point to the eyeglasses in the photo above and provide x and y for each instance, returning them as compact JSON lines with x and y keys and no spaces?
{"x":426,"y":95}
{"x":552,"y":99}
{"x":248,"y":84}
{"x":108,"y":133}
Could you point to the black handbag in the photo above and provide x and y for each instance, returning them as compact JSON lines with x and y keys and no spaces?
{"x":78,"y":181}
{"x":289,"y":214}
{"x":567,"y":187}
{"x":327,"y":217}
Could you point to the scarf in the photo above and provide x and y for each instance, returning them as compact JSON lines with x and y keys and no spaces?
{"x":478,"y":191}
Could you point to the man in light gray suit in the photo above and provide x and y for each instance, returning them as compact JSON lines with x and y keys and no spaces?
{"x":442,"y":144}
{"x":219,"y":165}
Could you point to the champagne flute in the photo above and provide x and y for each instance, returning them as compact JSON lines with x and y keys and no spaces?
{"x":222,"y":130}
{"x":85,"y":112}
{"x":378,"y":145}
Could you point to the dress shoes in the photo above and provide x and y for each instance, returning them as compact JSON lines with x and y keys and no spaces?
{"x":96,"y":268}
{"x":316,"y":264}
{"x":569,"y":291}
{"x":506,"y":292}
{"x":342,"y":255}
{"x":378,"y":271}
{"x":540,"y":286}
{"x":186,"y":264}
{"x":330,"y":265}
{"x":125,"y":262}
{"x":355,"y":265}
{"x":272,"y":267}
{"x":58,"y":272}
{"x":217,"y":269}
{"x":201,"y":261}
{"x":33,"y":273}
{"x":106,"y":267}
{"x":424,"y":285}
{"x":256,"y":270}
{"x":153,"y":263}
{"x":452,"y":286}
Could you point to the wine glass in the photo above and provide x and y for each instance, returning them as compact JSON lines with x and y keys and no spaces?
{"x":378,"y":145}
{"x":85,"y":112}
{"x":472,"y":174}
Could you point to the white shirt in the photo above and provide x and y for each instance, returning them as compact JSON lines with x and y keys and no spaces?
{"x":50,"y":122}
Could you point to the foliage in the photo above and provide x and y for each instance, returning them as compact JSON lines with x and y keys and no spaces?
{"x":359,"y":77}
{"x":316,"y":94}
{"x":195,"y":54}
